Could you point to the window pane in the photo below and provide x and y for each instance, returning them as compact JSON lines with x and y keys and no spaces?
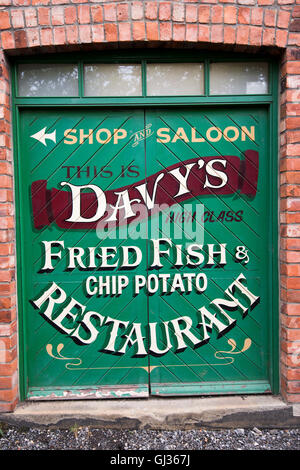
{"x":175,"y":79}
{"x":113,"y":80}
{"x":47,"y":80}
{"x":238,"y":78}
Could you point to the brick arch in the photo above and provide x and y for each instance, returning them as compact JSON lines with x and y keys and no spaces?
{"x":45,"y":25}
{"x":49,"y":26}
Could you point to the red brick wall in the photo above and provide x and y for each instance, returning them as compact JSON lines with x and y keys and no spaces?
{"x":39,"y":26}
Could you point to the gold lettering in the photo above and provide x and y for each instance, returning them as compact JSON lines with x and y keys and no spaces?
{"x":119,"y":134}
{"x":250,"y":134}
{"x":72,"y":138}
{"x":235,"y":131}
{"x":108,"y":134}
{"x":83,"y":136}
{"x":194,"y":138}
{"x":180,"y":134}
{"x":163,"y":133}
{"x":209,"y":132}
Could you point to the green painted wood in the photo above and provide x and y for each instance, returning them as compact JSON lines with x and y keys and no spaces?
{"x":236,"y":220}
{"x":53,"y":358}
{"x":150,"y":348}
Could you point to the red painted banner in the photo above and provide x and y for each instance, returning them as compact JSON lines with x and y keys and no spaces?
{"x":84,"y":206}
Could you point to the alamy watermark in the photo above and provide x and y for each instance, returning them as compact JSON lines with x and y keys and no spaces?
{"x":178,"y":222}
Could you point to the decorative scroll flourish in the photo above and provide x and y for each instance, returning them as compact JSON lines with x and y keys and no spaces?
{"x":218,"y":355}
{"x":232,"y":343}
{"x":59,"y":356}
{"x":74,"y":366}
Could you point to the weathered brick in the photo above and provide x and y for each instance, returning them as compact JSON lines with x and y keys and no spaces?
{"x":44,"y":16}
{"x":204,"y":14}
{"x":97,"y":13}
{"x":281,"y":38}
{"x":247,"y":2}
{"x":178,"y":32}
{"x":59,"y":35}
{"x":296,"y":11}
{"x":83,"y":14}
{"x":72,"y":35}
{"x":17,"y":19}
{"x":217,"y":33}
{"x":229,"y":35}
{"x":57,"y":14}
{"x":30,"y":17}
{"x":257,"y":15}
{"x":7,"y":382}
{"x":230,"y":14}
{"x":292,"y":137}
{"x":137,"y":10}
{"x":151,"y":10}
{"x":295,"y":25}
{"x":20,"y":39}
{"x":217,"y":14}
{"x":70,"y":15}
{"x":283,"y":19}
{"x":292,"y":122}
{"x":270,"y":17}
{"x":191,"y":32}
{"x":98,"y":33}
{"x":268,"y":36}
{"x":291,"y":309}
{"x":124,"y":32}
{"x":111,"y":33}
{"x":244,"y":15}
{"x":122,"y":12}
{"x":46,"y":36}
{"x":8,"y":395}
{"x":39,"y":2}
{"x":110,"y":12}
{"x":255,"y":37}
{"x":7,"y":40}
{"x":294,"y":39}
{"x":138,"y":31}
{"x":85,"y":33}
{"x":164,"y":12}
{"x":4,"y":20}
{"x":191,"y":13}
{"x":242,"y":35}
{"x":8,"y":369}
{"x":178,"y":12}
{"x":152,"y":32}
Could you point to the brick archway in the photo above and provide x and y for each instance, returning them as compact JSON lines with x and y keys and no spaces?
{"x":50,"y":26}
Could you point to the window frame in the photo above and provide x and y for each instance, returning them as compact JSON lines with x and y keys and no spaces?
{"x":143,"y":59}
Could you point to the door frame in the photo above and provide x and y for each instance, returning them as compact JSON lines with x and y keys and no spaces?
{"x":270,"y":101}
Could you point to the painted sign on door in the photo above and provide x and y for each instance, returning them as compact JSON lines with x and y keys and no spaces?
{"x":145,"y":251}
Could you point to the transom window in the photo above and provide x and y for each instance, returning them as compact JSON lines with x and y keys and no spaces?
{"x":142,"y":79}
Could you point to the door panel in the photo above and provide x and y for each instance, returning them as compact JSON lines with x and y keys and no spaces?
{"x":87,"y":363}
{"x":203,"y":355}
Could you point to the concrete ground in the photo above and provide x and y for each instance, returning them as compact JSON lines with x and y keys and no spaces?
{"x":262,"y":411}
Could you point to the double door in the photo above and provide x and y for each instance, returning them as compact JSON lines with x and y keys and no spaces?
{"x":144,"y":251}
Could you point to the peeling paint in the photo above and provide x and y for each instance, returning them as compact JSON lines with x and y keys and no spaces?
{"x":98,"y":393}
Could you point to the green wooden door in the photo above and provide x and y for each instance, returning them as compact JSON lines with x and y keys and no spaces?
{"x":145,"y":251}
